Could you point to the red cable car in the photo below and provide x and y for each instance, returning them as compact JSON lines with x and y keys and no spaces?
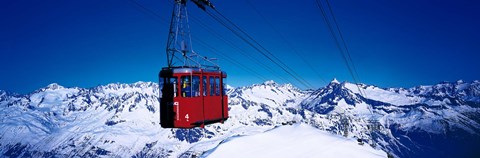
{"x":193,"y":93}
{"x":192,"y":97}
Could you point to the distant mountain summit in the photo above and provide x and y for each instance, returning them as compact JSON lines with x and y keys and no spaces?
{"x":441,"y":120}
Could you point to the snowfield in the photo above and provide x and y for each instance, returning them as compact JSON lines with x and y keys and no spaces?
{"x":298,"y":140}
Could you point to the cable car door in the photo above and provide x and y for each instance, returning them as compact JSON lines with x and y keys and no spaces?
{"x":190,"y":103}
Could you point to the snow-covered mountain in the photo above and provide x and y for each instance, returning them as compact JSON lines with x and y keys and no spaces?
{"x":424,"y":121}
{"x":123,"y":119}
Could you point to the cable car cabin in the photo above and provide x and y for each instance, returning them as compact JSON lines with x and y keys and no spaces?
{"x":192,"y":97}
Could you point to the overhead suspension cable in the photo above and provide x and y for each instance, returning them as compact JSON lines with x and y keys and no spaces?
{"x":243,"y":52}
{"x":263,"y":64}
{"x":337,"y":43}
{"x":257,"y":46}
{"x":145,"y":10}
{"x":343,"y":40}
{"x":346,"y":55}
{"x":289,"y":44}
{"x":229,"y":59}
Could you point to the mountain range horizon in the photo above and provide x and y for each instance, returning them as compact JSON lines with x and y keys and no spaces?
{"x":117,"y":119}
{"x":53,"y":84}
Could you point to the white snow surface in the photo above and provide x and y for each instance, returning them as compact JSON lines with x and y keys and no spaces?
{"x":298,"y":140}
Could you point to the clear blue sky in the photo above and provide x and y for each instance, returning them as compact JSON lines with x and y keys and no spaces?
{"x":87,"y":43}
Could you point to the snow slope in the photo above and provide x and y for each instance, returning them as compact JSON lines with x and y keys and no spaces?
{"x":298,"y":140}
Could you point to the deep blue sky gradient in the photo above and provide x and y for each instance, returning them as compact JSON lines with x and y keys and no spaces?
{"x":88,"y":43}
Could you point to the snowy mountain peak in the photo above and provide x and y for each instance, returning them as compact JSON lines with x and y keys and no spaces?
{"x":142,"y":84}
{"x":268,"y":93}
{"x":229,"y":87}
{"x":3,"y":95}
{"x":270,"y":82}
{"x":122,"y":88}
{"x":54,"y":86}
{"x":334,"y":81}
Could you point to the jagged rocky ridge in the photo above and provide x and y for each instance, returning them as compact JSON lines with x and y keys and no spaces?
{"x":122,"y":119}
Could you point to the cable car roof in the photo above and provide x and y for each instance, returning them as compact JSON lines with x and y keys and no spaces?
{"x":192,"y":70}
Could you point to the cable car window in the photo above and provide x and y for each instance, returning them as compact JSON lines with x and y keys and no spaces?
{"x":172,"y":82}
{"x":196,"y":86}
{"x":204,"y":85}
{"x":190,"y":86}
{"x":212,"y":85}
{"x":217,"y":86}
{"x":170,"y":87}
